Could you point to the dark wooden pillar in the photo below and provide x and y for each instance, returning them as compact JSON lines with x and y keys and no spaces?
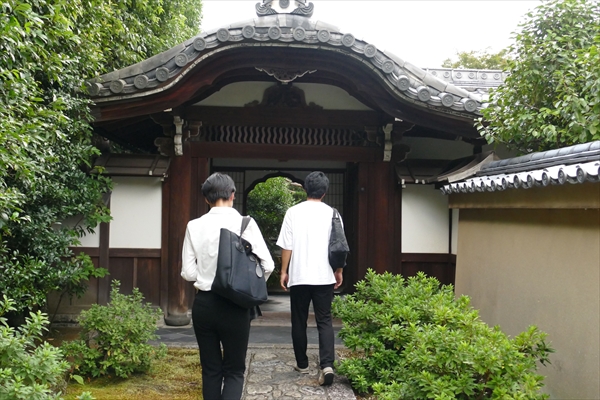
{"x":378,"y":219}
{"x":180,"y":212}
{"x":202,"y":171}
{"x":104,"y":262}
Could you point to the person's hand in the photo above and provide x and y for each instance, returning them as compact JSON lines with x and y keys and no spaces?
{"x":339,"y":277}
{"x":283,"y":280}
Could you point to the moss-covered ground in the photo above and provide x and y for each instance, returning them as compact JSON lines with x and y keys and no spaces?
{"x":176,"y":377}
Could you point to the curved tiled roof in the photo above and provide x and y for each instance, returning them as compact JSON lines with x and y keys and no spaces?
{"x":440,"y":88}
{"x":574,"y":164}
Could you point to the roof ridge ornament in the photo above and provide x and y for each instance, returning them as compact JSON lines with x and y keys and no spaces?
{"x":283,"y":75}
{"x":271,"y":7}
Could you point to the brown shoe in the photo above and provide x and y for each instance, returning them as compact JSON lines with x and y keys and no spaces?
{"x":302,"y":370}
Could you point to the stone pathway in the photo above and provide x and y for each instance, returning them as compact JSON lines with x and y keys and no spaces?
{"x":270,"y":375}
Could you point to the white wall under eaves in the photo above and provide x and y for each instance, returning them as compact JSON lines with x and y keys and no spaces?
{"x":90,"y":239}
{"x":239,"y":94}
{"x":441,"y":149}
{"x":425,"y":220}
{"x":136,"y":207}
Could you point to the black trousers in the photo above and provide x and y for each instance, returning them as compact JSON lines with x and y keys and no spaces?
{"x":321,"y":297}
{"x":218,"y":322}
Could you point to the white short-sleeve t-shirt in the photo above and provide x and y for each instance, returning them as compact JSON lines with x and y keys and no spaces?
{"x":305,"y":231}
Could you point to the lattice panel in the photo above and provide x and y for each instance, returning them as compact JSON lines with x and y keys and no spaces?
{"x":335,"y":194}
{"x":238,"y":179}
{"x":334,"y":197}
{"x":283,"y":135}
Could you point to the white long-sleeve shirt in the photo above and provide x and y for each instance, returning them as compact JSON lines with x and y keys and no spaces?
{"x":201,"y":245}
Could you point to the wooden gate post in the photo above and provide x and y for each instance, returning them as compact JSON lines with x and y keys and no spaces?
{"x":379,"y":222}
{"x":180,"y":212}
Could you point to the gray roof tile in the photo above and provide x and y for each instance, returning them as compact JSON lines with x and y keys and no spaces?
{"x":395,"y":58}
{"x":394,"y":68}
{"x":574,"y":164}
{"x":435,"y":82}
{"x":460,"y":92}
{"x":416,"y":71}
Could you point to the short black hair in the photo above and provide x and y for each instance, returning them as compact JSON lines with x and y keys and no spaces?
{"x":218,"y":186}
{"x":316,"y":185}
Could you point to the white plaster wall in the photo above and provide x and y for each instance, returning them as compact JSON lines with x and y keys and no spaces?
{"x":449,"y":149}
{"x":89,"y":240}
{"x":424,"y":220}
{"x":330,"y":97}
{"x":236,"y":94}
{"x":239,"y":94}
{"x":136,"y":207}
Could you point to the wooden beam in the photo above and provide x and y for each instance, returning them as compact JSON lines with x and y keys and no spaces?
{"x":90,"y":251}
{"x":429,"y":258}
{"x":134,"y":253}
{"x":286,"y":152}
{"x":300,"y":117}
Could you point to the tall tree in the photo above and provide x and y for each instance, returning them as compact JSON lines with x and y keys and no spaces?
{"x":481,"y":59}
{"x":551,"y":98}
{"x":47,"y":49}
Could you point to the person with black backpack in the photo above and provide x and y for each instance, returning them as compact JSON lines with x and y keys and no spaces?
{"x":307,"y":273}
{"x":218,"y":321}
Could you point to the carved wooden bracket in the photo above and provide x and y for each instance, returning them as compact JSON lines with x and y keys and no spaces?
{"x":176,"y":131}
{"x":165,"y":146}
{"x":193,"y":129}
{"x":165,"y":120}
{"x":178,"y":138}
{"x":372,"y":136}
{"x":387,"y":144}
{"x":400,"y":150}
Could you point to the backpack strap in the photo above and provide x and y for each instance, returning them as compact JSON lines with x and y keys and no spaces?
{"x":245,"y":222}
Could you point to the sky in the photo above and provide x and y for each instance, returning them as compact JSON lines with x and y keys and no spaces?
{"x":423,"y":32}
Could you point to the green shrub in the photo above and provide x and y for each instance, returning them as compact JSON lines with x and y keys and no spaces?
{"x":411,"y":339}
{"x":114,"y":338}
{"x":28,"y":370}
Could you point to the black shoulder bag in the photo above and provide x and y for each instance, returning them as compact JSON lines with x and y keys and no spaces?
{"x":240,"y":276}
{"x":338,"y":246}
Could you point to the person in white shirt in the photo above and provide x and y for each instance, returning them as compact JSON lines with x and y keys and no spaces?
{"x":217,"y":321}
{"x":305,"y":270}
